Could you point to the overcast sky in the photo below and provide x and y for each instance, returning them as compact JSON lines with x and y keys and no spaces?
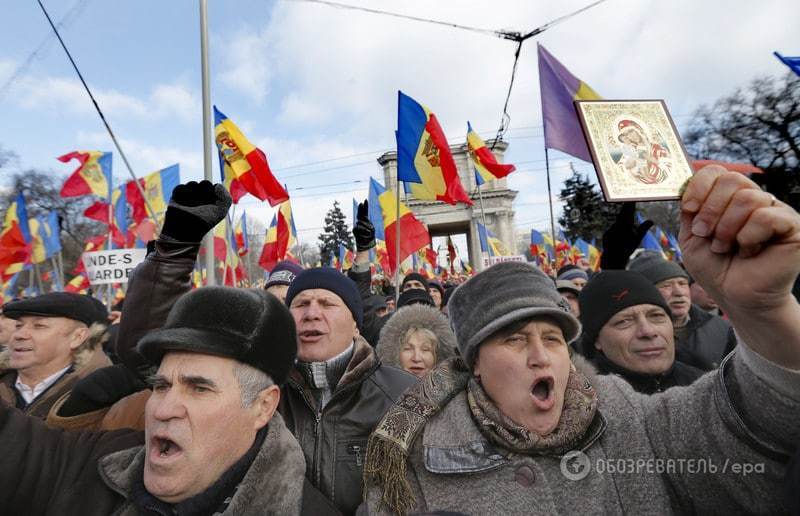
{"x":316,"y":87}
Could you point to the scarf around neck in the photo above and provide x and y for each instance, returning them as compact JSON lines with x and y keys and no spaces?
{"x":390,"y":443}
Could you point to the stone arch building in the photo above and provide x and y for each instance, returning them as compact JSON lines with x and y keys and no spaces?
{"x":443,"y":219}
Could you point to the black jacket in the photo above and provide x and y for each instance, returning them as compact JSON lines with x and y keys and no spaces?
{"x":708,"y":340}
{"x":679,"y":374}
{"x":334,"y":441}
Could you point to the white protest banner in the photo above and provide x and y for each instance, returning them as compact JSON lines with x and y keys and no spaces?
{"x":488,"y":261}
{"x":113,"y":265}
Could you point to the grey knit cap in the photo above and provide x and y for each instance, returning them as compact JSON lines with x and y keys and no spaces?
{"x":654,"y":267}
{"x":501,"y":295}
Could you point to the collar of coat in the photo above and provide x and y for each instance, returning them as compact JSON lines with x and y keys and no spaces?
{"x":272,"y":485}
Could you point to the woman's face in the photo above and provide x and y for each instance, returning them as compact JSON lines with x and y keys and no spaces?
{"x":417,"y":356}
{"x":525,"y":373}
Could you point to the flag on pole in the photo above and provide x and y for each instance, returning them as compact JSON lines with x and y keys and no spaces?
{"x":78,"y":285}
{"x":792,"y":62}
{"x":93,"y":175}
{"x":242,"y":242}
{"x":559,"y":88}
{"x":424,"y":161}
{"x":281,"y":236}
{"x":15,"y":239}
{"x":413,"y":233}
{"x":158,"y":188}
{"x":486,"y":165}
{"x":242,"y":162}
{"x":50,"y":232}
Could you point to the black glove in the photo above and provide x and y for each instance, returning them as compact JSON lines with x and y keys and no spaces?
{"x":622,"y":238}
{"x":363,"y":230}
{"x":194,"y":209}
{"x":101,"y":389}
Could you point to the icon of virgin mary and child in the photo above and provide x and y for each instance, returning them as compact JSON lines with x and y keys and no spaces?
{"x":635,"y":153}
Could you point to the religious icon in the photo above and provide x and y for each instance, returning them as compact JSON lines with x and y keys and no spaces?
{"x":636,"y":149}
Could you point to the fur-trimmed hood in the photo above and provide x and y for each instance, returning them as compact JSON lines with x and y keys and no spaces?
{"x":411,"y":316}
{"x":82,"y":356}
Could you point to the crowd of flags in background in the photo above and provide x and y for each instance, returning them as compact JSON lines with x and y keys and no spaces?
{"x":133,"y":211}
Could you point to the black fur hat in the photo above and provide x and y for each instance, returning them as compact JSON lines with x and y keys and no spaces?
{"x":248,"y":325}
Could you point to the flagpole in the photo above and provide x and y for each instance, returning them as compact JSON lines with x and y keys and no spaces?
{"x":54,"y":263}
{"x":207,"y":156}
{"x":397,"y":247}
{"x":38,"y":277}
{"x":550,"y":203}
{"x":61,"y":269}
{"x":110,"y":299}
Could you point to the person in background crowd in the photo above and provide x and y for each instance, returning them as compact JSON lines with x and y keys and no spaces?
{"x":415,"y":339}
{"x":436,"y":291}
{"x":57,"y":340}
{"x":701,"y":298}
{"x":280,"y":277}
{"x":414,"y":280}
{"x":515,"y":427}
{"x":702,"y":340}
{"x":627,"y":331}
{"x":212,"y":444}
{"x":573,"y":273}
{"x":569,"y":291}
{"x":390,"y":307}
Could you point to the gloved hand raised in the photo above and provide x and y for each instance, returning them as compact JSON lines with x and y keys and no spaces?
{"x":363,"y":230}
{"x":622,"y":238}
{"x":194,"y":209}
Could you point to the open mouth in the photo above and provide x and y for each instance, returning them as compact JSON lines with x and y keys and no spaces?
{"x":542,"y":392}
{"x":163,"y":448}
{"x":311,"y":334}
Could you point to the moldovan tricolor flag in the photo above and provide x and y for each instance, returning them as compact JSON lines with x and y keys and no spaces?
{"x":243,"y":165}
{"x":158,"y":188}
{"x":486,"y":165}
{"x":281,"y":236}
{"x":93,"y":175}
{"x":413,"y":234}
{"x":240,"y":233}
{"x":15,"y":239}
{"x":424,"y":161}
{"x":562,"y":130}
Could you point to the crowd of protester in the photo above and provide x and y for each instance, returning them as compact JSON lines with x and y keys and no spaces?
{"x":650,"y":386}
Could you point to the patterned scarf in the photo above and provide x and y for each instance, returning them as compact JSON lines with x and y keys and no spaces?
{"x":580,"y":405}
{"x":389,"y":444}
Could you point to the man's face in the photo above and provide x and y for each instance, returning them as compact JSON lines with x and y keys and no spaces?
{"x":408,"y":285}
{"x":701,"y":298}
{"x":437,"y":297}
{"x":41,"y":346}
{"x":6,"y":329}
{"x":279,"y":291}
{"x":640,"y":339}
{"x":195,"y":425}
{"x":390,"y":304}
{"x":325,"y":326}
{"x":677,"y":295}
{"x":571,"y":298}
{"x":579,"y":283}
{"x":525,"y":373}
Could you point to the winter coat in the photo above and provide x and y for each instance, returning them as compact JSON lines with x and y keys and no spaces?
{"x":678,"y":375}
{"x":125,"y":413}
{"x":709,"y":339}
{"x":415,"y":316}
{"x":681,"y":451}
{"x":335,"y":441}
{"x":49,"y":471}
{"x":371,"y":323}
{"x":86,"y":359}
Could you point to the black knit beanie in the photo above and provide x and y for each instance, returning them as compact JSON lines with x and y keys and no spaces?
{"x":609,"y":292}
{"x":328,"y":278}
{"x":248,"y":325}
{"x":415,"y":296}
{"x":414,"y":276}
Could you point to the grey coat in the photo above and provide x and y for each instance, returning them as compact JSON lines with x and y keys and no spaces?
{"x":419,"y":316}
{"x":742,"y":416}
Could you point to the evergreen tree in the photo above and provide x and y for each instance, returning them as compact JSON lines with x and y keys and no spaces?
{"x":335,"y":232}
{"x":586,"y":214}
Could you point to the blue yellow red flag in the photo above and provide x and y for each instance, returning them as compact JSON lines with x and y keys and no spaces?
{"x":15,"y":239}
{"x":559,"y":88}
{"x":158,"y":188}
{"x":424,"y":160}
{"x":281,"y":236}
{"x":484,"y":160}
{"x":244,"y":163}
{"x":93,"y":175}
